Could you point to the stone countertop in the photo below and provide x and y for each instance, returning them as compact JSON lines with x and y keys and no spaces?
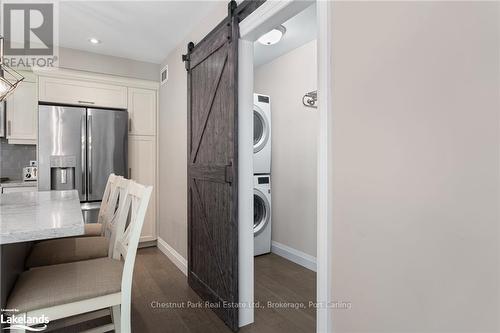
{"x":18,"y":183}
{"x":31,"y":216}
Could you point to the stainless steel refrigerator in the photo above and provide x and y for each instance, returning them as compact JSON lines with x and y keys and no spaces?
{"x":78,"y":148}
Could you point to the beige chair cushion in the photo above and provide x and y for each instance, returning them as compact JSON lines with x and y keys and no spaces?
{"x":47,"y":286}
{"x":92,"y":229}
{"x":65,"y":250}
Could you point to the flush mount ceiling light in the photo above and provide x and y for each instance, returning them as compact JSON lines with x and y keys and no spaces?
{"x":9,"y":78}
{"x":94,"y":41}
{"x":273,"y":36}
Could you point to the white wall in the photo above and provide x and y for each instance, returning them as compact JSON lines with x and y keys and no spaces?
{"x":173,"y":140}
{"x":98,"y":63}
{"x":416,"y":166}
{"x":294,"y":137}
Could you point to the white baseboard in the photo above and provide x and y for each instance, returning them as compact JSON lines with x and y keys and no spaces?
{"x":296,"y":256}
{"x":173,"y":255}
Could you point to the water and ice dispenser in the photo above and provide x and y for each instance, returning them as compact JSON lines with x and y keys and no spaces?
{"x":62,"y":172}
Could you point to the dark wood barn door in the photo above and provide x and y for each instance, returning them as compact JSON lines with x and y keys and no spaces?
{"x":212,"y":169}
{"x":212,"y":67}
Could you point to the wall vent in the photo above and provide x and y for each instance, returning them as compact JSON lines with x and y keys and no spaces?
{"x":164,"y":75}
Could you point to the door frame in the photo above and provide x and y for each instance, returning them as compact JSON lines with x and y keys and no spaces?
{"x":264,"y":18}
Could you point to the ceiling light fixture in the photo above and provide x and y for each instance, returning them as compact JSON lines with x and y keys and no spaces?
{"x":273,"y":36}
{"x":9,"y":78}
{"x":94,"y":41}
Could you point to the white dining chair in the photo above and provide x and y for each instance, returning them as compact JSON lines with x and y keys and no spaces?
{"x":71,"y":289}
{"x":105,"y":210}
{"x":70,"y":249}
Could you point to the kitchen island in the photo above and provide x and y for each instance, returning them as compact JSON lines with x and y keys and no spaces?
{"x":32,"y":216}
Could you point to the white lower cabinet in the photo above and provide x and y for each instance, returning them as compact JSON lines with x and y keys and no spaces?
{"x":142,"y":169}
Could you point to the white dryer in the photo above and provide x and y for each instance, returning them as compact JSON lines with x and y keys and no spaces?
{"x":262,"y":214}
{"x":261,"y":134}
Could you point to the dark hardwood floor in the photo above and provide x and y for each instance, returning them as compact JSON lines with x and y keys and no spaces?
{"x":158,"y":281}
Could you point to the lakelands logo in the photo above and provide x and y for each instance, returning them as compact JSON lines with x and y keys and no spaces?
{"x":33,"y":324}
{"x":30,"y":33}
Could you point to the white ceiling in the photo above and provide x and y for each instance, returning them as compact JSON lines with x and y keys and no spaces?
{"x":300,"y":29}
{"x":139,"y":30}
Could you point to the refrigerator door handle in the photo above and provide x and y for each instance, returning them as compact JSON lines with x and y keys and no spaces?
{"x":2,"y":119}
{"x":83,"y":133}
{"x":89,"y":152}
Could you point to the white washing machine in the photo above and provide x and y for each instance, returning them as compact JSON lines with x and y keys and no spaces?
{"x":261,"y":134}
{"x":262,"y":214}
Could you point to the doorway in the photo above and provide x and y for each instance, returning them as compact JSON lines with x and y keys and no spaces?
{"x":285,"y":123}
{"x":262,"y":20}
{"x":239,"y":170}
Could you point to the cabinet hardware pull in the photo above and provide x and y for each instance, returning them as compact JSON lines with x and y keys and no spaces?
{"x":9,"y":128}
{"x":130,"y":124}
{"x":85,"y":102}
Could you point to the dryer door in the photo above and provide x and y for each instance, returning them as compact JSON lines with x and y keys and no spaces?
{"x":261,"y":212}
{"x":261,"y":129}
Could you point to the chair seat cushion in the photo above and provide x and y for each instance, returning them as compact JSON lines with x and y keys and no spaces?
{"x":65,"y":250}
{"x":47,"y":286}
{"x":92,"y":229}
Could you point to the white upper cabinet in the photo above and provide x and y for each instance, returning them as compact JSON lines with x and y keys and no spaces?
{"x":142,"y":111}
{"x":85,"y":93}
{"x":22,"y":113}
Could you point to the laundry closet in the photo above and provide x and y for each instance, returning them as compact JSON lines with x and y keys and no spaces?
{"x":285,"y":129}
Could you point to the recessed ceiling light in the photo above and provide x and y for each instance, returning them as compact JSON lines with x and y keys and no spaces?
{"x":94,"y":41}
{"x":273,"y":36}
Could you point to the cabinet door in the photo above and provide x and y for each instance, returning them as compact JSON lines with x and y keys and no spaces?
{"x":84,"y":93}
{"x":22,"y":107}
{"x":142,"y":169}
{"x":142,"y":111}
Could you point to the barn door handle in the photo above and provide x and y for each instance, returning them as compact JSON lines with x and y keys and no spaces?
{"x":229,"y":172}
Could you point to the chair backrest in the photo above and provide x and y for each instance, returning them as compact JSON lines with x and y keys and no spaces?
{"x":118,"y":202}
{"x":127,"y":236}
{"x":107,"y":198}
{"x":117,"y":193}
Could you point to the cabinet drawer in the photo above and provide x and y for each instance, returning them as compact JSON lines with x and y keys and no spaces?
{"x":85,"y":93}
{"x":18,"y":189}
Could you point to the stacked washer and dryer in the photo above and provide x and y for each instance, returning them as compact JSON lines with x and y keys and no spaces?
{"x":262,"y":174}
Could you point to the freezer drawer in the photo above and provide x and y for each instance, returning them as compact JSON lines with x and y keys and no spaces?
{"x":90,"y":211}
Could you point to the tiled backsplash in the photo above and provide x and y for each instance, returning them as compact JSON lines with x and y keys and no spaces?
{"x":13,"y":158}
